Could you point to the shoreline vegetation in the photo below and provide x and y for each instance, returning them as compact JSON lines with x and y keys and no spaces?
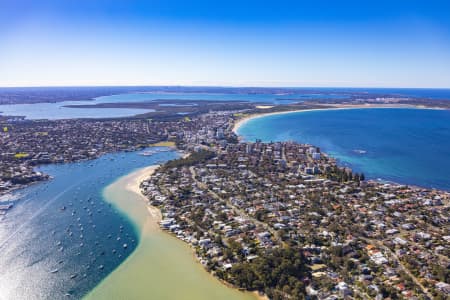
{"x":147,"y":224}
{"x":215,"y":131}
{"x":204,"y":162}
{"x":241,"y":121}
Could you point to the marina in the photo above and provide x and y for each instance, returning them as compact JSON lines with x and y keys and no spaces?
{"x":224,"y":150}
{"x":64,"y":232}
{"x":160,"y":262}
{"x":90,"y":238}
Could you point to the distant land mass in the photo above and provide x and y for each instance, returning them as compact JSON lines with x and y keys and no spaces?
{"x":259,"y":205}
{"x":22,"y":95}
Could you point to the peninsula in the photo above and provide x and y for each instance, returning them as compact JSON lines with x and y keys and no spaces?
{"x":225,"y":150}
{"x":283,"y":219}
{"x":321,"y":229}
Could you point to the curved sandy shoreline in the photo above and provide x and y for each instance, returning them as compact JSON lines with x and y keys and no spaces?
{"x":161,"y":266}
{"x":240,"y":122}
{"x":134,"y":186}
{"x":155,"y":213}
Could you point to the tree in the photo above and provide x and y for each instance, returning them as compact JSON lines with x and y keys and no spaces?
{"x":278,"y":273}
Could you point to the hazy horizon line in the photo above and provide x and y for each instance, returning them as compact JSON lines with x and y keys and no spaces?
{"x":221,"y":86}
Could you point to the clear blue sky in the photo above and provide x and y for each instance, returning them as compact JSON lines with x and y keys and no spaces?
{"x":379,"y":43}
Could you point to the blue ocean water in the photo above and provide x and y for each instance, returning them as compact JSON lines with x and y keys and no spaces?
{"x":410,"y":146}
{"x":65,"y":226}
{"x":433,"y":94}
{"x":55,"y":111}
{"x":59,"y":111}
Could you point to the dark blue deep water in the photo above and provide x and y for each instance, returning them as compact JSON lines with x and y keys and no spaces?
{"x":409,"y":146}
{"x":65,"y":225}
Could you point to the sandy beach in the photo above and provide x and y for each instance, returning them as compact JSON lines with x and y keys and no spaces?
{"x":247,"y":118}
{"x":133,"y":185}
{"x":161,"y":266}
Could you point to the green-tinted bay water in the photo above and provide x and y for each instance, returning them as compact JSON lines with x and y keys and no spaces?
{"x":161,"y":266}
{"x":64,"y":239}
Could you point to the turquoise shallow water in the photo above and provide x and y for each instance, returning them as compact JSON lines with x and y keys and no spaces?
{"x":403,"y":145}
{"x":65,"y":225}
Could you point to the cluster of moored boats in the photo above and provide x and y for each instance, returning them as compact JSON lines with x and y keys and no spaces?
{"x":76,"y":231}
{"x":154,"y":151}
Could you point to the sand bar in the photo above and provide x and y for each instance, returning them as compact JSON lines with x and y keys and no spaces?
{"x":161,"y":267}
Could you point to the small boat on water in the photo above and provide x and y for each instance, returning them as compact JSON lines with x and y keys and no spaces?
{"x":359,"y":151}
{"x":73,"y":276}
{"x":147,"y":153}
{"x":54,"y":271}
